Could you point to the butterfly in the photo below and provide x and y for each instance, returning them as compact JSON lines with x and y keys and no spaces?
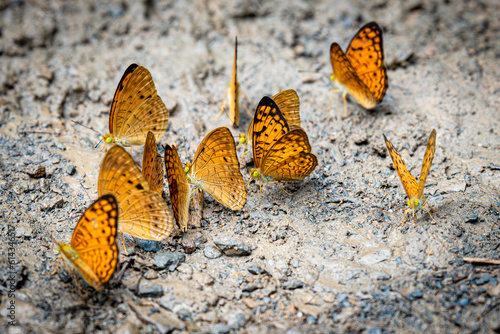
{"x":152,"y":164}
{"x":361,"y":71}
{"x":93,"y":252}
{"x":280,"y":152}
{"x":233,"y":91}
{"x":414,"y":189}
{"x":179,"y":188}
{"x":136,"y":109}
{"x":216,"y":169}
{"x":289,"y":105}
{"x":143,"y":212}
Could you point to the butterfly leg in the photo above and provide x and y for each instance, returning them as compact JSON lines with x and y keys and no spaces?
{"x":260,"y":193}
{"x":224,"y":103}
{"x":76,"y":279}
{"x":57,"y":266}
{"x":430,"y":212}
{"x":245,"y":96}
{"x":123,"y":242}
{"x":282,"y":188}
{"x":244,"y":153}
{"x":331,"y":97}
{"x":194,"y":203}
{"x":345,"y":104}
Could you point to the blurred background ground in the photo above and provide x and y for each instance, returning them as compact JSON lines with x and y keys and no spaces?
{"x":332,"y":257}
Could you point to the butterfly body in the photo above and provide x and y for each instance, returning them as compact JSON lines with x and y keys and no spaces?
{"x":414,"y":189}
{"x":136,"y":109}
{"x":360,"y":71}
{"x":93,"y":252}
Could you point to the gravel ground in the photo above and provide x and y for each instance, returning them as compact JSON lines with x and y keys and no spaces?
{"x":335,"y":256}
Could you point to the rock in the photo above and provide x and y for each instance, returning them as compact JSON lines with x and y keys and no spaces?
{"x":188,"y":244}
{"x":416,"y":294}
{"x":219,"y":329}
{"x":44,"y":186}
{"x":51,"y":204}
{"x":256,"y":270}
{"x":185,"y":271}
{"x":70,"y":170}
{"x":360,"y":139}
{"x":168,"y":260}
{"x":150,"y":274}
{"x":375,"y":257}
{"x":293,"y":284}
{"x":232,"y":247}
{"x":251,"y":288}
{"x":250,"y":303}
{"x":472,"y":219}
{"x":149,"y":289}
{"x":204,"y":279}
{"x":149,"y":245}
{"x":128,"y":328}
{"x":35,"y":171}
{"x":212,"y":252}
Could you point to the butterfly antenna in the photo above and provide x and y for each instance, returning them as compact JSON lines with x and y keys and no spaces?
{"x":95,"y":146}
{"x":81,"y":184}
{"x":88,"y":127}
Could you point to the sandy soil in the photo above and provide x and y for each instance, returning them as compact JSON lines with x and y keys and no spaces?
{"x":335,"y":256}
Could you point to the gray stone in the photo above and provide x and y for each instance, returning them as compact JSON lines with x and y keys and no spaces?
{"x":212,"y":252}
{"x":256,"y":270}
{"x":293,"y":284}
{"x":149,"y":245}
{"x":70,"y":170}
{"x":168,"y":260}
{"x":149,"y":289}
{"x":232,"y":247}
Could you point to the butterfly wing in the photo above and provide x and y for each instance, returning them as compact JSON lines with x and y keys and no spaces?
{"x":289,"y":105}
{"x":178,"y":186}
{"x":290,"y":158}
{"x":94,"y":239}
{"x":347,"y":77}
{"x":234,"y":103}
{"x":143,"y":213}
{"x":217,"y":169}
{"x":136,"y":108}
{"x":426,"y":166}
{"x":366,"y":55}
{"x":409,"y":182}
{"x":152,"y":164}
{"x":269,"y":125}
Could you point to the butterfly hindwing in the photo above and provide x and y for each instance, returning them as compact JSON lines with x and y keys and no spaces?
{"x":152,"y":164}
{"x":426,"y":165}
{"x":178,"y":186}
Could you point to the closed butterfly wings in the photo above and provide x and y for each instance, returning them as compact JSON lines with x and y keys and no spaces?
{"x":361,"y":71}
{"x":216,"y":169}
{"x":280,"y":154}
{"x":143,"y":212}
{"x":152,"y":164}
{"x":179,"y":188}
{"x":414,"y":189}
{"x":93,"y":251}
{"x":136,"y":109}
{"x":289,"y":105}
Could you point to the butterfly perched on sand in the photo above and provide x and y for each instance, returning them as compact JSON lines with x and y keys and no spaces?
{"x":233,"y":94}
{"x":143,"y":212}
{"x":360,"y":71}
{"x":216,"y":169}
{"x":92,"y":251}
{"x":414,"y":189}
{"x":280,"y":152}
{"x":289,"y":105}
{"x":152,"y":164}
{"x":136,"y":109}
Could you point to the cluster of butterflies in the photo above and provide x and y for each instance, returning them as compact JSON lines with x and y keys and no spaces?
{"x":280,"y":147}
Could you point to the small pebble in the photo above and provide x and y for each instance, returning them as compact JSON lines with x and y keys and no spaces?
{"x":149,"y":289}
{"x":472,"y":218}
{"x":212,"y":252}
{"x":70,"y":170}
{"x":464,"y":302}
{"x":35,"y":172}
{"x":415,"y":295}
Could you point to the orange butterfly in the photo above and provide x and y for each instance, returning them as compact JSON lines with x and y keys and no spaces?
{"x":289,"y":105}
{"x":414,"y":190}
{"x":152,"y":164}
{"x":232,"y":93}
{"x":216,"y":169}
{"x":136,"y":109}
{"x":179,"y":188}
{"x":143,"y":212}
{"x":280,"y":152}
{"x":93,"y":252}
{"x":361,"y":71}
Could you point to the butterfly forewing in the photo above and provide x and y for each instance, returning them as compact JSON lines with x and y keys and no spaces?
{"x":366,"y":55}
{"x":426,"y":165}
{"x":136,"y":108}
{"x":178,"y":186}
{"x":289,"y":105}
{"x":409,"y":182}
{"x":94,"y":239}
{"x":152,"y":164}
{"x":268,"y":126}
{"x":217,"y":169}
{"x":234,"y":103}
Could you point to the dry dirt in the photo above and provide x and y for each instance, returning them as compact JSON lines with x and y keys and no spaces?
{"x":335,"y":256}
